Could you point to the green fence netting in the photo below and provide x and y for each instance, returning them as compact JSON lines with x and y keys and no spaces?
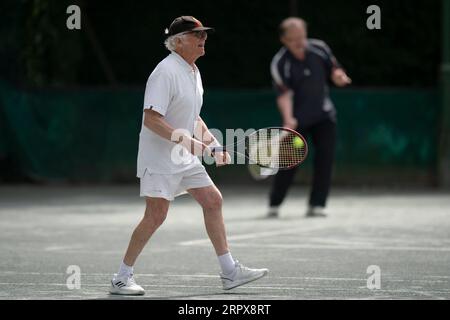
{"x":92,"y":134}
{"x":72,"y":135}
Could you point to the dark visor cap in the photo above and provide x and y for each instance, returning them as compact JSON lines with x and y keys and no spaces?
{"x":185,"y":24}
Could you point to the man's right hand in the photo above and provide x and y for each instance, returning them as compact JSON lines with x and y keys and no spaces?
{"x":222,"y":158}
{"x":290,"y":123}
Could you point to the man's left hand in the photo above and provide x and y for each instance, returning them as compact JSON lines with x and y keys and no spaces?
{"x":340,"y":78}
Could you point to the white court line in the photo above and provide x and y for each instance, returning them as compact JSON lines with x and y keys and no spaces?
{"x":340,"y":247}
{"x":200,"y":242}
{"x":254,"y":235}
{"x":247,"y":287}
{"x":212,"y":276}
{"x":162,"y":275}
{"x":427,"y":294}
{"x":375,"y":246}
{"x":63,"y":248}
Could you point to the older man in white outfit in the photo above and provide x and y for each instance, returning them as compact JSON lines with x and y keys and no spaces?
{"x":172,"y":103}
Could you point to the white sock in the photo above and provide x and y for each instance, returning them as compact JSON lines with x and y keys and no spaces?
{"x":226,"y":263}
{"x":125,"y":271}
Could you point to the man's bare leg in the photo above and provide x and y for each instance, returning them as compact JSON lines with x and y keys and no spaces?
{"x":155,"y":214}
{"x":211,"y":201}
{"x":233,"y":274}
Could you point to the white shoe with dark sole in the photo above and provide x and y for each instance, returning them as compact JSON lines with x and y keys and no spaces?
{"x":241,"y":275}
{"x":316,"y":212}
{"x":125,"y":286}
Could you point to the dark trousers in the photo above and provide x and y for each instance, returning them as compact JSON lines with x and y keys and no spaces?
{"x":323,"y":137}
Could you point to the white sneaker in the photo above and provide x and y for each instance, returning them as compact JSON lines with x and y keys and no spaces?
{"x":241,"y":275}
{"x":125,"y":286}
{"x":316,"y":211}
{"x":273,"y":212}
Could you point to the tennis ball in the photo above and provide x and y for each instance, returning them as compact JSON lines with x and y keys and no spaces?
{"x":298,"y":142}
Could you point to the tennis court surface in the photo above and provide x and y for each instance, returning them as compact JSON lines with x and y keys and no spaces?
{"x":44,"y":230}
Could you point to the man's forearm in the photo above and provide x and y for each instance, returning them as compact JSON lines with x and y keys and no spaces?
{"x":285,"y":106}
{"x":205,"y":135}
{"x":157,"y":124}
{"x":221,"y":157}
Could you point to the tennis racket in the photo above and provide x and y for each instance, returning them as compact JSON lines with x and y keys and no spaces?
{"x":274,"y":148}
{"x":260,"y":173}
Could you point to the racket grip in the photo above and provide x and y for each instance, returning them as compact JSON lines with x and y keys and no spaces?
{"x":217,"y":149}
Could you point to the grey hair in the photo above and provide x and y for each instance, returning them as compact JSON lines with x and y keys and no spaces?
{"x":171,"y":42}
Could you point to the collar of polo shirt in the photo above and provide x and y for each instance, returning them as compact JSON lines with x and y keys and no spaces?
{"x":184,"y":63}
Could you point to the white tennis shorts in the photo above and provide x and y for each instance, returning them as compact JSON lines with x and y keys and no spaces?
{"x":169,"y":186}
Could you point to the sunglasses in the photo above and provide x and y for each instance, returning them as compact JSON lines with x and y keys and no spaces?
{"x":198,"y":34}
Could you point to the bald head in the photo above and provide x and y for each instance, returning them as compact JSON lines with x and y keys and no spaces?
{"x":292,"y":23}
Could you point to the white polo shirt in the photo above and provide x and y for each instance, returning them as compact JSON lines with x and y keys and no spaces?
{"x":174,"y":89}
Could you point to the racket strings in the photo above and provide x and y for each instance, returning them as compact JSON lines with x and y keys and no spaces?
{"x":275,"y":148}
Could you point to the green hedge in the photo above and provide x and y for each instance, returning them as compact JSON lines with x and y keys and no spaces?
{"x":37,"y":49}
